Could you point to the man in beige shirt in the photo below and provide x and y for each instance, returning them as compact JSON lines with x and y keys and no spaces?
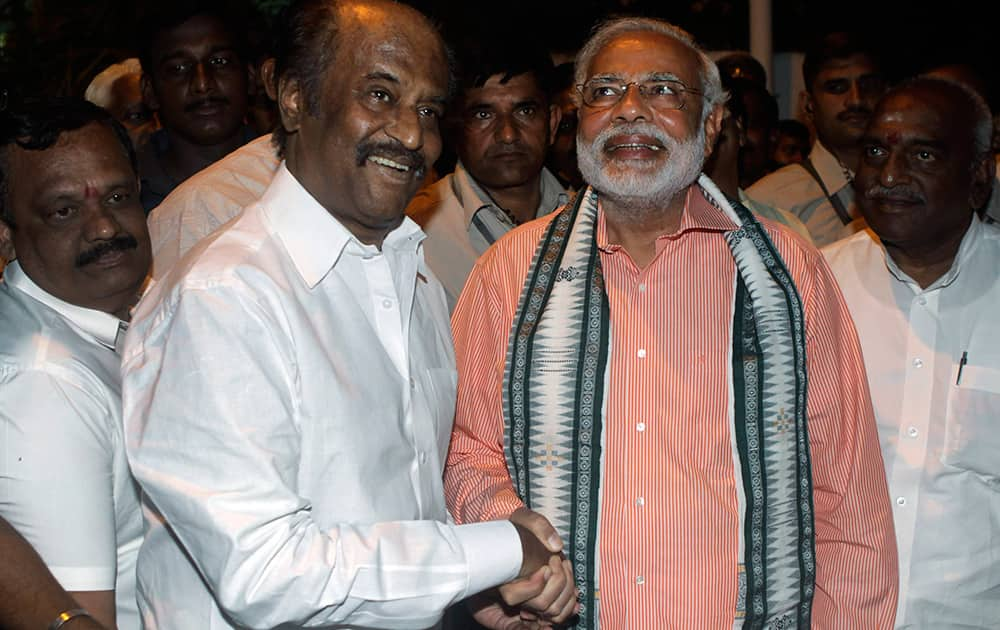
{"x":502,"y":125}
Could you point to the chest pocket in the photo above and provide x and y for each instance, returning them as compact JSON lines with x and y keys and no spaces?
{"x":972,"y":435}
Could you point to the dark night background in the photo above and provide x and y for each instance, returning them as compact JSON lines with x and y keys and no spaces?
{"x":56,"y":46}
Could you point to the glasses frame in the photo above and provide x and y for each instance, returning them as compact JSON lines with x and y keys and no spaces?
{"x":682,"y":92}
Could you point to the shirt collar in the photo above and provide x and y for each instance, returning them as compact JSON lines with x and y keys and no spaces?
{"x":972,"y":237}
{"x":699,"y":214}
{"x":102,"y":327}
{"x":473,"y":198}
{"x":314,"y":239}
{"x":830,"y":170}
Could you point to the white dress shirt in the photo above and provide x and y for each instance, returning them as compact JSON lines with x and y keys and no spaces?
{"x":940,"y":433}
{"x":64,"y":480}
{"x":208,"y":199}
{"x":793,"y":189}
{"x":289,"y":395}
{"x":462,"y":221}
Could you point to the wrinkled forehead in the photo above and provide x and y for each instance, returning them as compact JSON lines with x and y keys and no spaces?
{"x":636,"y":55}
{"x":410,"y":49}
{"x":921,"y":116}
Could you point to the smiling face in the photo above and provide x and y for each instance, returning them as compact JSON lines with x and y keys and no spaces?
{"x":633,"y":150}
{"x":79,"y":229}
{"x":505,"y":131}
{"x":198,"y":84}
{"x":919,"y":178}
{"x":365,"y":151}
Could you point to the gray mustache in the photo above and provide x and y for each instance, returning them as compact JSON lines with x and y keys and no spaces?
{"x":896,"y":193}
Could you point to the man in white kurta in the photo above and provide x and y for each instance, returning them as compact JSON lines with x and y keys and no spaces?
{"x":923,"y":290}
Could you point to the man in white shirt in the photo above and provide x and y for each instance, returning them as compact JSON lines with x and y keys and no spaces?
{"x":289,"y":385}
{"x":71,"y":208}
{"x":843,"y":81}
{"x":503,"y":124}
{"x":923,"y":290}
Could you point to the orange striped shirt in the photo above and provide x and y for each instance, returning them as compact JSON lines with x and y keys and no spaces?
{"x":669,"y":517}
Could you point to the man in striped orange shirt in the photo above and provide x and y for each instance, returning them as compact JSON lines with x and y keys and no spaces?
{"x":675,"y":385}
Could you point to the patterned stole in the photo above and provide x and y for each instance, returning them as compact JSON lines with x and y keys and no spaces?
{"x":553,"y":396}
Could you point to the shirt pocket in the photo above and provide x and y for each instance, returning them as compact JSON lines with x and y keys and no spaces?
{"x":972,"y":432}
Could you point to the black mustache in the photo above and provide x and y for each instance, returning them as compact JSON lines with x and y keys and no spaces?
{"x":896,"y":193}
{"x":394,"y":151}
{"x":211,"y":100}
{"x":854,"y":110}
{"x":117,"y":244}
{"x":497,"y":150}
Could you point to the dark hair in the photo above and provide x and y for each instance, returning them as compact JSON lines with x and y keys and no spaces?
{"x":837,"y":45}
{"x":36,"y":124}
{"x":795,"y":129}
{"x":507,"y":56}
{"x":305,"y":44}
{"x":172,"y":13}
{"x":734,"y":64}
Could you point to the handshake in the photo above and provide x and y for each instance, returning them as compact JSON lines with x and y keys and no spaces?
{"x":543,"y":594}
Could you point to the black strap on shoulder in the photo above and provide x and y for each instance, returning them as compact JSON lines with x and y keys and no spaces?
{"x":835,"y":201}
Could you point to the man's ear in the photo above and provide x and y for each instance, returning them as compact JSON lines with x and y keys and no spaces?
{"x":267,"y":78}
{"x":251,"y":79}
{"x":806,"y":100}
{"x":6,"y":242}
{"x":983,"y":181}
{"x":148,"y":93}
{"x":555,"y":117}
{"x":713,"y":124}
{"x":291,"y":103}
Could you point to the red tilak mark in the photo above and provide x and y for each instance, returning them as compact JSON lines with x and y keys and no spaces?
{"x":89,"y":191}
{"x":893,"y":137}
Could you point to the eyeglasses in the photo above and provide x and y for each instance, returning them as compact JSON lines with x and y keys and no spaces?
{"x":665,"y":94}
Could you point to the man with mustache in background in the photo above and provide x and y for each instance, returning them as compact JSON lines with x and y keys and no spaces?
{"x":195,"y":77}
{"x":843,"y":80}
{"x":675,"y":384}
{"x":289,"y":384}
{"x":922,"y":287}
{"x":70,"y":207}
{"x":503,"y":124}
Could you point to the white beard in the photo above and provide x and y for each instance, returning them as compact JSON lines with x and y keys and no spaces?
{"x":635,"y":187}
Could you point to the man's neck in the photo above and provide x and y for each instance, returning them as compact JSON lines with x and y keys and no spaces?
{"x":521,"y":201}
{"x":848,"y":156}
{"x":925,"y":263}
{"x":183,"y":158}
{"x":636,"y":226}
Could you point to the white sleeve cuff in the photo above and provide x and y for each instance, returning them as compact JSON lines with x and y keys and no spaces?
{"x":85,"y":578}
{"x":493,"y":554}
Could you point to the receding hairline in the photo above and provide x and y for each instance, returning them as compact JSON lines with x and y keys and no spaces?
{"x":945,"y":95}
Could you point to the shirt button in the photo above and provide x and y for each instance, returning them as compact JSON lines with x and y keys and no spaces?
{"x":912,"y":431}
{"x":918,"y":363}
{"x":901,"y":501}
{"x":642,"y":353}
{"x":642,"y":287}
{"x":640,"y":501}
{"x":423,"y":457}
{"x":386,"y":303}
{"x":921,"y":300}
{"x":640,"y":580}
{"x":640,"y":427}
